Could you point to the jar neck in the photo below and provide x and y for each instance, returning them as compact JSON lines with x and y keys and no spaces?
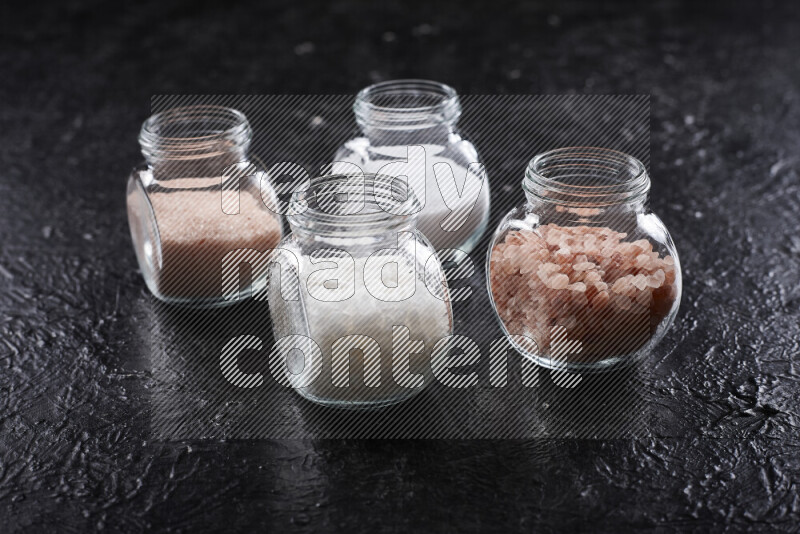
{"x":199,"y":141}
{"x":359,"y":242}
{"x":587,"y":181}
{"x":343,"y":208}
{"x":401,"y":109}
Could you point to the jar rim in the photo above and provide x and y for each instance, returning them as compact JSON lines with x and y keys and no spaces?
{"x":409,"y":103}
{"x":318,"y":207}
{"x":191,"y":131}
{"x":586,"y":176}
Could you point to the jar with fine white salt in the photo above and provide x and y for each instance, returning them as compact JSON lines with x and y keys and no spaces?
{"x":583,"y":275}
{"x":408,"y":131}
{"x":361,"y":303}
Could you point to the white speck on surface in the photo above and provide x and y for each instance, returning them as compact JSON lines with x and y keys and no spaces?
{"x":778,"y":166}
{"x":389,"y":37}
{"x":554,"y":20}
{"x":88,"y":237}
{"x":317,"y":121}
{"x":698,"y":215}
{"x":304,"y":48}
{"x":515,"y":74}
{"x":795,"y":246}
{"x":47,"y":231}
{"x":423,"y":29}
{"x":688,"y":120}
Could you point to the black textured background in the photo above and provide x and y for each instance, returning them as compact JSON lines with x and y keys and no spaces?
{"x":76,"y":79}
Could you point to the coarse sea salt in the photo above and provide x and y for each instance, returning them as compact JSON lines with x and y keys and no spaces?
{"x":375,"y":314}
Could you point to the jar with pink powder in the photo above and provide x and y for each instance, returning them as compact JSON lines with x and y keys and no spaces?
{"x":195,"y":201}
{"x":583,"y":276}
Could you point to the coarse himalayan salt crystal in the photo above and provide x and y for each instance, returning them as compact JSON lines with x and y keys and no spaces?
{"x":498,"y":253}
{"x":642,"y":246}
{"x":639,"y":281}
{"x":584,"y":266}
{"x":563,"y":252}
{"x":578,"y":286}
{"x":656,"y":279}
{"x":558,"y":281}
{"x":623,"y":286}
{"x":515,"y":238}
{"x":549,"y":267}
{"x":586,"y":279}
{"x":594,"y":276}
{"x":576,"y":276}
{"x":643,"y":260}
{"x":528,"y":266}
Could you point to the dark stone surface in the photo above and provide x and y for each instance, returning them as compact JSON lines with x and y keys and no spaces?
{"x":75,"y":452}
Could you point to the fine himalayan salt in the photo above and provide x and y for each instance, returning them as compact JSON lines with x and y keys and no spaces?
{"x":195,"y":236}
{"x":609,"y":294}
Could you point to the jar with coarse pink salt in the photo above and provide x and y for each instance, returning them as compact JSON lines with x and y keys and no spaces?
{"x":583,"y":276}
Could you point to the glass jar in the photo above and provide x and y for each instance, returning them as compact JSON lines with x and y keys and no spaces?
{"x":372,"y":302}
{"x":584,"y":273}
{"x":408,"y":128}
{"x":196,"y":199}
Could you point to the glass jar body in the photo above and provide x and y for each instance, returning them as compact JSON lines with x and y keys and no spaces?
{"x":408,"y":128}
{"x":437,"y":159}
{"x":194,"y":202}
{"x":375,"y":306}
{"x":586,"y":287}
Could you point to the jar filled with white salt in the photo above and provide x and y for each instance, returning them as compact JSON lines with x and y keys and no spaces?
{"x":196,"y":200}
{"x":583,"y":276}
{"x":362,"y":301}
{"x":408,"y":131}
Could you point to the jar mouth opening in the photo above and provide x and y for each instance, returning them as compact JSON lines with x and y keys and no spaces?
{"x":194,"y":131}
{"x":353,"y":204}
{"x":406,"y":103}
{"x":586,"y":176}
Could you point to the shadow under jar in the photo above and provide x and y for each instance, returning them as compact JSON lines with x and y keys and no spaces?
{"x":371,"y":302}
{"x":584,"y":276}
{"x":408,"y":128}
{"x":196,"y":199}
